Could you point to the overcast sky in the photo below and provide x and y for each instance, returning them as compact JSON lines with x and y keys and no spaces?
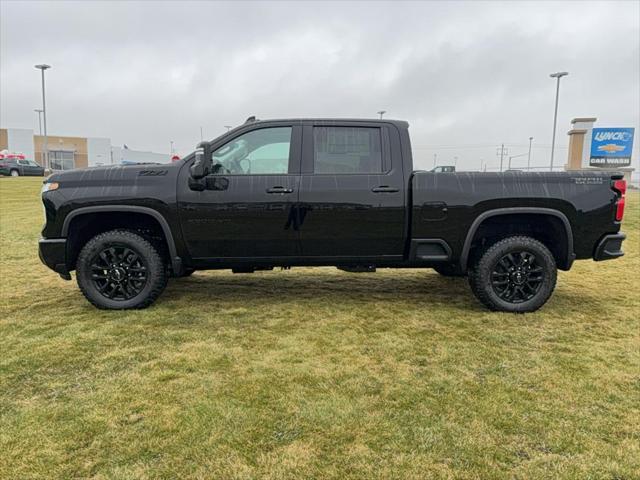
{"x":467,"y":76}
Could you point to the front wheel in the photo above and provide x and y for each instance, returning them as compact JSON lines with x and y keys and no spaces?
{"x":120,"y":270}
{"x":517,"y":274}
{"x":15,"y":173}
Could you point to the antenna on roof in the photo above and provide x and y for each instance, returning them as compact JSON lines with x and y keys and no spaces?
{"x":251,"y":119}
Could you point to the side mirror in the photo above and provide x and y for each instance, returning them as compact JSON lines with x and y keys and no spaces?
{"x":217,"y":183}
{"x":200,"y":167}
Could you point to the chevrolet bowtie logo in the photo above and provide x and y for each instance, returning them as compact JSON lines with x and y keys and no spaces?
{"x":610,"y":148}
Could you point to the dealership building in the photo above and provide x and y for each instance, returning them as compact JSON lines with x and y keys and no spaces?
{"x":66,"y":153}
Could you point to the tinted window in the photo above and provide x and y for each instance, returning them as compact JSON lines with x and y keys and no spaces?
{"x":347,"y":150}
{"x":264,"y":151}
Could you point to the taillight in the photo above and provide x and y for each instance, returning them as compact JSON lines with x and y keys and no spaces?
{"x":620,"y":187}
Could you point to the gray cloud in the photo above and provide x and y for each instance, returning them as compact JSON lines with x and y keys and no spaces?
{"x":467,"y":76}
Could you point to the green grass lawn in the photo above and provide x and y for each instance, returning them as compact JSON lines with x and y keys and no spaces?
{"x":315,"y":373}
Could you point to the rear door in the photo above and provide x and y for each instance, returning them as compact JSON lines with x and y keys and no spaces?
{"x":249,"y":211}
{"x":352,"y":196}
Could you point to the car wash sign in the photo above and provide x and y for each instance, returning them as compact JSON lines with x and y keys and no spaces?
{"x":611,"y":147}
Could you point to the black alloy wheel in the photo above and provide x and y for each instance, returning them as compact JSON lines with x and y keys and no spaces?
{"x":118,"y":272}
{"x":121,"y":269}
{"x":517,"y":277}
{"x":516,"y":274}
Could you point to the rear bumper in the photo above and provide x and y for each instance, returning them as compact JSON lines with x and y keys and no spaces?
{"x":53,"y":253}
{"x":609,"y":247}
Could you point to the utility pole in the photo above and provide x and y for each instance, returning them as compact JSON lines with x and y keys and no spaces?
{"x":171,"y":142}
{"x":201,"y":136}
{"x":558,"y":76}
{"x":45,"y":147}
{"x":529,"y":157}
{"x":39,"y":112}
{"x":501,"y":152}
{"x":435,"y":156}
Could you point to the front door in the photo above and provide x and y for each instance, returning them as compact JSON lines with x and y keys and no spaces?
{"x":352,"y":200}
{"x":249,"y":210}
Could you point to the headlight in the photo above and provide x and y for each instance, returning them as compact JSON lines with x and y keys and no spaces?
{"x":49,"y":186}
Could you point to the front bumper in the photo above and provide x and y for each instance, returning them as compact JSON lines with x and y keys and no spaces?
{"x":53,"y":253}
{"x":609,"y":247}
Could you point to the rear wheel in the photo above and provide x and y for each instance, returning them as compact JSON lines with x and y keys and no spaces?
{"x":15,"y":173}
{"x":517,"y":274}
{"x":120,"y":270}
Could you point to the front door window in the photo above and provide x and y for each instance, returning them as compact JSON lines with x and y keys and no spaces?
{"x":259,"y":152}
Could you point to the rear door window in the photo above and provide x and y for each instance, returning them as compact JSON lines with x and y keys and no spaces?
{"x":347,"y":150}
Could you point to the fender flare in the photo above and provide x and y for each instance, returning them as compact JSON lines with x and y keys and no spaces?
{"x":176,"y":261}
{"x":464,"y":256}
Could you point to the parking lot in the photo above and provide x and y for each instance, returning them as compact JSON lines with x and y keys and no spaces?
{"x":315,"y":373}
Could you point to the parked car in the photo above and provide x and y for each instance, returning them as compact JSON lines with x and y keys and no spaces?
{"x":19,"y":167}
{"x":324,"y":192}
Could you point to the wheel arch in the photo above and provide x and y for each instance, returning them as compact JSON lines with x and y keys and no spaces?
{"x":174,"y":259}
{"x":566,"y":260}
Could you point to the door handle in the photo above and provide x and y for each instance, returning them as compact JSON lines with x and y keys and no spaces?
{"x":279,"y":190}
{"x":385,"y":189}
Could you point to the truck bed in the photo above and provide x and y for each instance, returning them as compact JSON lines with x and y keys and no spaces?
{"x":446,"y":204}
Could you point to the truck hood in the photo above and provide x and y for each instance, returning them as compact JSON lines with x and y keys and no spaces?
{"x":113,"y":174}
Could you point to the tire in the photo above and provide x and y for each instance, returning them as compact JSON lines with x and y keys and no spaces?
{"x":517,"y":274}
{"x":120,"y":270}
{"x":14,"y":173}
{"x":448,"y":271}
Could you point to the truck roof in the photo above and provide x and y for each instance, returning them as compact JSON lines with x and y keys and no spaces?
{"x":398,"y":123}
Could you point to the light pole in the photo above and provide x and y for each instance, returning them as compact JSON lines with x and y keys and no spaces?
{"x":558,"y":76}
{"x":201,"y":139}
{"x":45,"y":147}
{"x":171,"y":142}
{"x":381,"y":113}
{"x":39,"y":112}
{"x":529,"y":157}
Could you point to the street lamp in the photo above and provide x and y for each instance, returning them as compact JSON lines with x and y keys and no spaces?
{"x":39,"y":112}
{"x":381,"y":113}
{"x":228,"y":127}
{"x":45,"y":148}
{"x":557,"y":75}
{"x":529,"y":157}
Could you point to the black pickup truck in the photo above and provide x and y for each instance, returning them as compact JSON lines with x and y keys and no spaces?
{"x":284,"y":193}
